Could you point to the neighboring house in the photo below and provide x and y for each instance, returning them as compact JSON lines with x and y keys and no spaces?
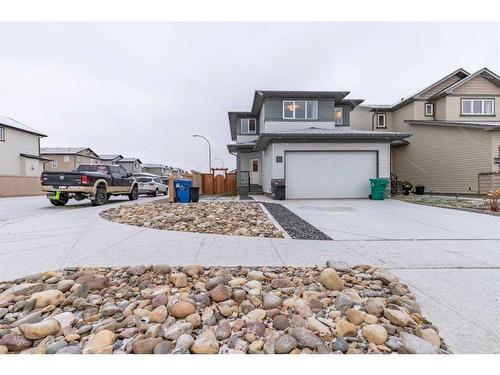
{"x":455,"y":127}
{"x":157,"y":169}
{"x":110,"y":159}
{"x":132,"y":165}
{"x":304,"y":139}
{"x":20,"y":160}
{"x":68,"y":158}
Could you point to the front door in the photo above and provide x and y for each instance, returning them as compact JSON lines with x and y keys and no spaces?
{"x":254,"y":172}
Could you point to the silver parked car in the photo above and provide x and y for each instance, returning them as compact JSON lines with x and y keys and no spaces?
{"x":151,"y":184}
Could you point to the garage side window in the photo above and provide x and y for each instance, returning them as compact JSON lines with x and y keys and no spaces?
{"x":381,"y":120}
{"x":2,"y":134}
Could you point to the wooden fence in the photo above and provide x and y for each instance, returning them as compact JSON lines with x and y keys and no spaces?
{"x":218,"y":184}
{"x":488,"y":182}
{"x":17,"y":186}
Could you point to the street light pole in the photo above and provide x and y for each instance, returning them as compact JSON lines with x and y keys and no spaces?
{"x":209,"y":151}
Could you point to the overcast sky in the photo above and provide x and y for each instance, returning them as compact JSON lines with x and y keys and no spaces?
{"x":143,"y":89}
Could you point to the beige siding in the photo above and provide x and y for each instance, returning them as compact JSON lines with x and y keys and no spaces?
{"x":444,"y":159}
{"x":64,"y":166}
{"x":440,"y":109}
{"x":11,"y":162}
{"x":15,"y":186}
{"x":478,"y":86}
{"x":419,"y":111}
{"x":361,"y":118}
{"x":434,"y":90}
{"x":453,"y":110}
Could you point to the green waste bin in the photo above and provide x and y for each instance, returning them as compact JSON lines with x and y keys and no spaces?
{"x":378,"y":188}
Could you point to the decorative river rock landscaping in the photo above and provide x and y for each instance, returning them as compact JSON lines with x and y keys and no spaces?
{"x":239,"y":219}
{"x":161,"y":309}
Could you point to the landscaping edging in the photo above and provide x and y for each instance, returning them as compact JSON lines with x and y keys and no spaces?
{"x":293,"y":224}
{"x":161,"y":309}
{"x":474,"y":210}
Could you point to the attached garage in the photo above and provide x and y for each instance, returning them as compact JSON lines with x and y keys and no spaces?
{"x":329,"y":174}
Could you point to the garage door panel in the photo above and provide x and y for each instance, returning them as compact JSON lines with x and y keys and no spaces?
{"x":332,"y":174}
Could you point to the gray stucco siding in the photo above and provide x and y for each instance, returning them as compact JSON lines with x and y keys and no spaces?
{"x":273,"y":110}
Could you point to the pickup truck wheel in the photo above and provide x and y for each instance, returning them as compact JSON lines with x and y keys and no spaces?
{"x":100,"y":196}
{"x":134,"y":194}
{"x":58,"y":203}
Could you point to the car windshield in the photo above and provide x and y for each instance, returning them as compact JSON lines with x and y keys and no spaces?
{"x":92,"y":168}
{"x":144,"y":179}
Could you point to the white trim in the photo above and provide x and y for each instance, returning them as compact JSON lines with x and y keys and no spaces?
{"x":472,"y":100}
{"x":306,"y":104}
{"x":54,"y":164}
{"x":2,"y":133}
{"x":431,"y":106}
{"x":341,"y":115}
{"x":385,"y":121}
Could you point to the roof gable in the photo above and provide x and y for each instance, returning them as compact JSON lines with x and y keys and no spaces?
{"x":482,"y":74}
{"x":14,"y":124}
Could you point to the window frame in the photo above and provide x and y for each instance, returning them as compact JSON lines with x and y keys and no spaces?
{"x":385,"y":121}
{"x":472,"y":100}
{"x":2,"y":134}
{"x":431,"y":106}
{"x":53,"y":165}
{"x":247,"y":121}
{"x":341,"y":115}
{"x":306,"y":105}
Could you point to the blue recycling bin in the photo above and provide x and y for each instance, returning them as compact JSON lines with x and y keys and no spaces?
{"x":183,"y":190}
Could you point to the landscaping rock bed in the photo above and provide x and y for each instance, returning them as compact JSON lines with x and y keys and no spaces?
{"x":239,"y":219}
{"x":161,"y":309}
{"x":294,"y":225}
{"x":460,"y":203}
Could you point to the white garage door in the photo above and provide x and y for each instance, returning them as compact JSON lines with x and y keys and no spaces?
{"x":331,"y":174}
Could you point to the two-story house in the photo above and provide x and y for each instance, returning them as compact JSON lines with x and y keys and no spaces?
{"x":157,"y":169}
{"x":110,"y":159}
{"x":20,"y":160}
{"x":131,"y":164}
{"x":455,"y":127}
{"x":304,"y":140}
{"x":68,"y":158}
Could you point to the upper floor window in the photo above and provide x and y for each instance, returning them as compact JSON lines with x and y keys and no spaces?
{"x":300,"y":109}
{"x":478,"y":107}
{"x":381,"y":120}
{"x":66,"y":158}
{"x":248,"y":126}
{"x":429,"y":109}
{"x":54,"y":163}
{"x":2,"y":134}
{"x":339,"y":115}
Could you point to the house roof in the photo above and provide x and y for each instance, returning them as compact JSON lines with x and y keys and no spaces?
{"x":14,"y":124}
{"x":109,"y":157}
{"x":484,"y":72}
{"x":153,"y":165}
{"x":482,"y":125}
{"x":130,"y":160}
{"x":461,"y":73}
{"x":30,"y":156}
{"x":65,"y":150}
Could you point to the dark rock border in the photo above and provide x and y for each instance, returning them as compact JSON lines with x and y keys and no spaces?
{"x":294,"y":225}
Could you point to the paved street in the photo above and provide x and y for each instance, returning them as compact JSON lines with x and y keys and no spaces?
{"x":450,"y":258}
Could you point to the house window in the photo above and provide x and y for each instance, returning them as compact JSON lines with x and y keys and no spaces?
{"x":66,"y":158}
{"x":339,"y":115}
{"x":481,"y":107}
{"x":381,"y":120}
{"x":255,"y":165}
{"x":54,"y":164}
{"x":2,"y":134}
{"x":248,"y":126}
{"x":279,"y":159}
{"x":300,"y":110}
{"x":429,"y":109}
{"x":78,"y":159}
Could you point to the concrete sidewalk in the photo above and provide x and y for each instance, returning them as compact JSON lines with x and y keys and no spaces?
{"x":456,"y":281}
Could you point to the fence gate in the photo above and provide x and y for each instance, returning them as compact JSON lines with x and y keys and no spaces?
{"x":219,"y":182}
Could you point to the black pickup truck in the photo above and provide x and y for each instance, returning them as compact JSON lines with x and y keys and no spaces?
{"x":95,"y":182}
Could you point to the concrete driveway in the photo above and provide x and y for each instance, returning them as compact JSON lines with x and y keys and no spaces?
{"x":450,"y":258}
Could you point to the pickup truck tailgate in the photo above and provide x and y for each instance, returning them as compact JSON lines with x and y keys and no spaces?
{"x":61,"y":179}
